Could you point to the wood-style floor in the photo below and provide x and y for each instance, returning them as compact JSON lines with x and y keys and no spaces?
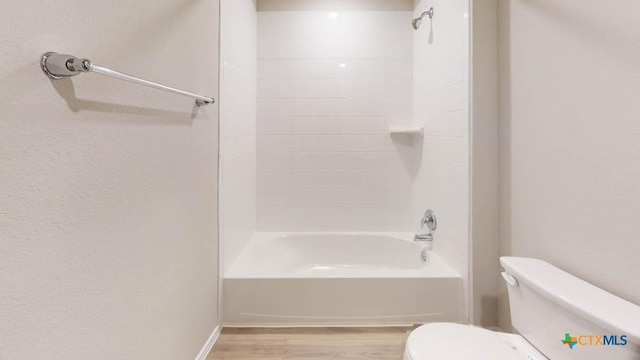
{"x":372,"y":343}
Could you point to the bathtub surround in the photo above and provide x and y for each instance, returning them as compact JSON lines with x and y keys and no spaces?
{"x":330,"y":85}
{"x":441,"y":105}
{"x":569,"y":129}
{"x":238,"y":86}
{"x":108,"y":230}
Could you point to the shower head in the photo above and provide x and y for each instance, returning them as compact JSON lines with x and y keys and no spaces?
{"x":416,"y":22}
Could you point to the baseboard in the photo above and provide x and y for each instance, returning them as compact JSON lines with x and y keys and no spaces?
{"x":206,"y":349}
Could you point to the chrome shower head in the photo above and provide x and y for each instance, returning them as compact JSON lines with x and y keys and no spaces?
{"x":417,"y":21}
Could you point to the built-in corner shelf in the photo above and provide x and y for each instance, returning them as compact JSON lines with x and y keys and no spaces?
{"x":406,"y":130}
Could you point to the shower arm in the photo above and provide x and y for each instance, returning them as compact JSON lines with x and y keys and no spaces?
{"x":417,"y":21}
{"x":428,"y":12}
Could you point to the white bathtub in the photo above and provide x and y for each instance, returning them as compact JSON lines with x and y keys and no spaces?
{"x":339,"y":279}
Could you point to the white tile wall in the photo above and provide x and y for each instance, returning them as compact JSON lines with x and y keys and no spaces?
{"x":441,"y":104}
{"x":237,"y":126}
{"x":329,"y":86}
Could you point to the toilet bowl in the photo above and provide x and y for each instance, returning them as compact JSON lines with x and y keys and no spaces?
{"x":438,"y":341}
{"x":557,"y":315}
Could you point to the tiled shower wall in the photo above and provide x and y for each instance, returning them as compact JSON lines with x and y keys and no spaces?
{"x":441,"y":105}
{"x":238,"y":47}
{"x":329,"y":86}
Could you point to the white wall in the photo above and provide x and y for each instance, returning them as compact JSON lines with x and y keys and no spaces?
{"x":441,"y":105}
{"x":569,"y":138}
{"x":330,"y":84}
{"x":108,"y":190}
{"x":238,"y":55}
{"x":483,"y":260}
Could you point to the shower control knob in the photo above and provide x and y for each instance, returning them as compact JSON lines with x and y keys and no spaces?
{"x":429,"y":219}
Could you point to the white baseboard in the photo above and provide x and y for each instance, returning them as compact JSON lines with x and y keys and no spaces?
{"x":206,"y":349}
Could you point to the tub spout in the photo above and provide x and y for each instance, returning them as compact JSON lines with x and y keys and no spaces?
{"x":423,"y":237}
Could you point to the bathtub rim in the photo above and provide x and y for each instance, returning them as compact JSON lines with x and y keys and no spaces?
{"x":436,"y":268}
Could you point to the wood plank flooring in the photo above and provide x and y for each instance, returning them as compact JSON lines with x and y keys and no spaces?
{"x":371,"y":343}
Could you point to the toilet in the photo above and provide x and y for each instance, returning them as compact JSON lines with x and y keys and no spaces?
{"x":557,"y":316}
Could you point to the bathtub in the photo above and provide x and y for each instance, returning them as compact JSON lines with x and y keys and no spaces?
{"x":303,"y":279}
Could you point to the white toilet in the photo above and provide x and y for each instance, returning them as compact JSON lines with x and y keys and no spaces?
{"x":557,"y":315}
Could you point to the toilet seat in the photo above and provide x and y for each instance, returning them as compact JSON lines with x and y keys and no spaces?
{"x":448,"y":341}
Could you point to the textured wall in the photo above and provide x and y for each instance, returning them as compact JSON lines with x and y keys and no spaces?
{"x":330,"y":84}
{"x":569,"y":138}
{"x":238,"y":56}
{"x":484,"y":262}
{"x":108,"y":189}
{"x":441,"y":105}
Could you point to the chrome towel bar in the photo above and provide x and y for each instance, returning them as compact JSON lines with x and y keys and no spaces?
{"x":56,"y":66}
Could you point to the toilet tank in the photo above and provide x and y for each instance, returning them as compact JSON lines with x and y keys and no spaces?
{"x":567,"y":318}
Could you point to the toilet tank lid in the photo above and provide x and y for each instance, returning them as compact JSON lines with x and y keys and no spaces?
{"x":578,"y":296}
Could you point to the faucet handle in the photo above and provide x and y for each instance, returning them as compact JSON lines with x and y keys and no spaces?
{"x":429,"y":219}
